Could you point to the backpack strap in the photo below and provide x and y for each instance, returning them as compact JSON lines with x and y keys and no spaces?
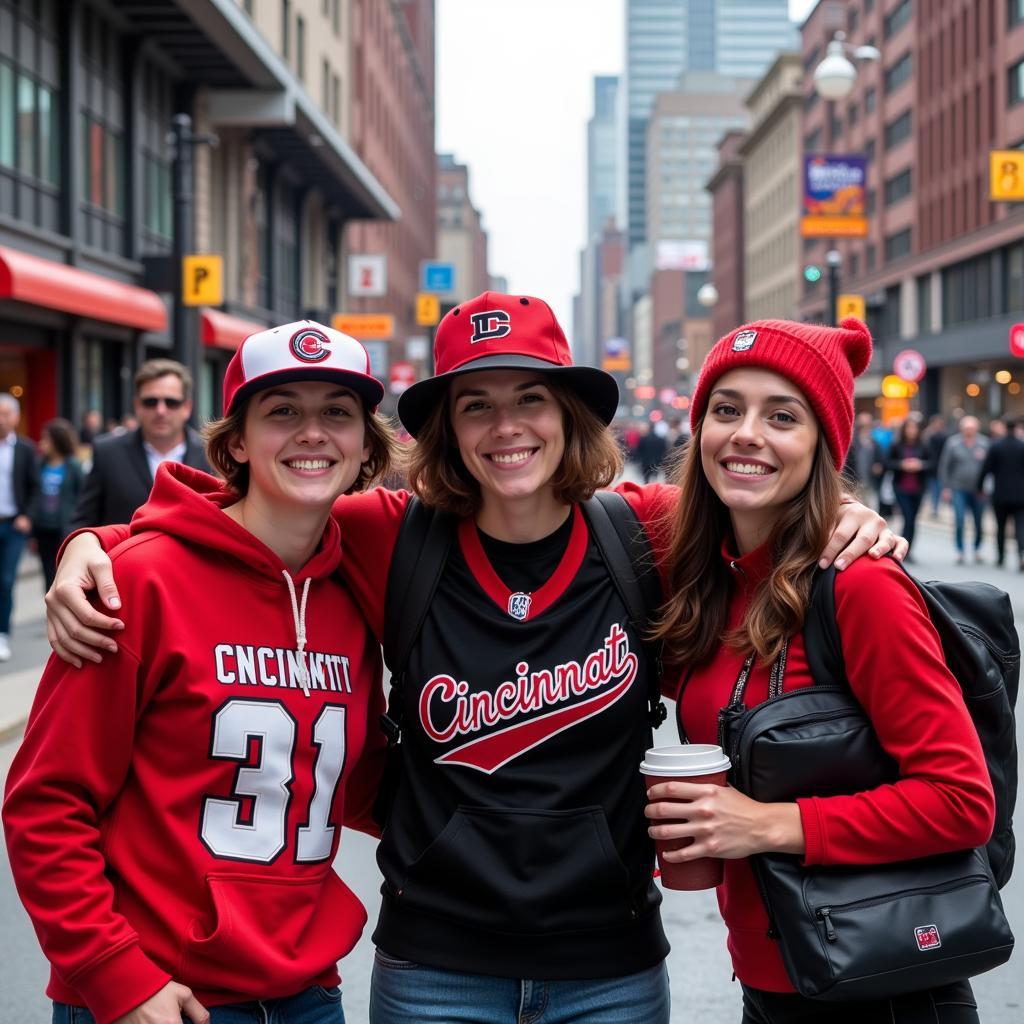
{"x":824,"y":648}
{"x":421,"y":550}
{"x":626,"y":549}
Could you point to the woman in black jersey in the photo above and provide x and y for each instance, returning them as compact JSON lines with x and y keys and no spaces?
{"x":516,"y":862}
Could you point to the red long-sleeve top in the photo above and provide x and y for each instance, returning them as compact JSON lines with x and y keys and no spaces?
{"x":943,"y":800}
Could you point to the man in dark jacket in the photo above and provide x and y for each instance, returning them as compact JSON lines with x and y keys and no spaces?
{"x":1005,"y":463}
{"x":19,"y":481}
{"x":123,"y":465}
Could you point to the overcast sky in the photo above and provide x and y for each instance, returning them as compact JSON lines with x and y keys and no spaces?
{"x":514,"y":84}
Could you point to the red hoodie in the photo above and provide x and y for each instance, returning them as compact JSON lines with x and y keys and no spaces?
{"x":173,"y":813}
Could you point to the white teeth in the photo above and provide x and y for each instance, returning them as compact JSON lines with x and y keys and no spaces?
{"x":309,"y":464}
{"x":747,"y":468}
{"x":510,"y":458}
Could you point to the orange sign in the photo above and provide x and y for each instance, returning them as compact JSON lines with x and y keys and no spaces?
{"x":365,"y":326}
{"x":1006,"y":175}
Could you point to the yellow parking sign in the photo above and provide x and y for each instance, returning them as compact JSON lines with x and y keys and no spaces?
{"x":202,"y":282}
{"x":428,"y":309}
{"x":850,"y":305}
{"x":1006,"y":175}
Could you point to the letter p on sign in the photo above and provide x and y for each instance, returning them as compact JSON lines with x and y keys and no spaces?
{"x":202,"y":280}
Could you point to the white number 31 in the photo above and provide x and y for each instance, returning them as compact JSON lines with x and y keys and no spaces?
{"x":260,"y":835}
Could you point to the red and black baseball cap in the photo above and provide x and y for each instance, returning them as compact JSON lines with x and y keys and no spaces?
{"x":304,"y":350}
{"x":504,"y":332}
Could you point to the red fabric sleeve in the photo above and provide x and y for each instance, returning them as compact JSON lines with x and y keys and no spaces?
{"x":370,"y":522}
{"x":60,"y":784}
{"x":108,"y":536}
{"x":655,"y":507}
{"x":943,"y":800}
{"x":362,"y":785}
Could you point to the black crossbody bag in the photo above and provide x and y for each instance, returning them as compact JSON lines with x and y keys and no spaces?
{"x":855,"y":932}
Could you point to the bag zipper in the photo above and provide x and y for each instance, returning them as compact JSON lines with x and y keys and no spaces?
{"x":824,"y":914}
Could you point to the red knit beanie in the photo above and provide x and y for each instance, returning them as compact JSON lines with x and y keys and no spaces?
{"x":820,"y":361}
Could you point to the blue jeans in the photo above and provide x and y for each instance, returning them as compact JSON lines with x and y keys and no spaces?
{"x":12,"y":544}
{"x":403,"y":992}
{"x":910,"y":505}
{"x":314,"y":1005}
{"x":964,"y":501}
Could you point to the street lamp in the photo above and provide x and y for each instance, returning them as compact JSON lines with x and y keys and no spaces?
{"x":707,"y":295}
{"x":834,"y":79}
{"x":835,"y":76}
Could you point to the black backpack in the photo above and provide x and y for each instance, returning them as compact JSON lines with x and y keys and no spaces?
{"x":419,"y":558}
{"x":975,"y":626}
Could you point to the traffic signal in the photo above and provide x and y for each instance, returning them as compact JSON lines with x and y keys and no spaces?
{"x":812,"y":273}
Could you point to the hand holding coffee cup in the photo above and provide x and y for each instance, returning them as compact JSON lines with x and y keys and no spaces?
{"x":694,"y":763}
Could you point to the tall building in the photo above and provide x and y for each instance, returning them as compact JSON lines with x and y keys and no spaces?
{"x":727,"y":241}
{"x":392,"y":101}
{"x":684,"y":126}
{"x":603,"y":164}
{"x":772,"y":177}
{"x":664,"y":39}
{"x":942,"y":266}
{"x":602,"y":156}
{"x":86,"y":222}
{"x":461,"y":239}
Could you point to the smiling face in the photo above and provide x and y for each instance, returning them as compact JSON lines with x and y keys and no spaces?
{"x":303,"y":443}
{"x":509,"y":430}
{"x":758,"y":440}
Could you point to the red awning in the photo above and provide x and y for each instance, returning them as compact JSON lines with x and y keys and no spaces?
{"x":41,"y":282}
{"x":222,"y":330}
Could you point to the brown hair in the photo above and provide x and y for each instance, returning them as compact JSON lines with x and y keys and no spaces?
{"x":62,"y":435}
{"x":221,"y":434}
{"x":592,"y":458}
{"x":152,"y":369}
{"x":693,"y":620}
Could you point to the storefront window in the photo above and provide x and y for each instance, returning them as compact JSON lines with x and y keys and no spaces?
{"x":29,"y":107}
{"x":158,"y":110}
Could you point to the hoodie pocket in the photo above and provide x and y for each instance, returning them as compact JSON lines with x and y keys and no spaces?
{"x":270,"y":937}
{"x":522,"y":871}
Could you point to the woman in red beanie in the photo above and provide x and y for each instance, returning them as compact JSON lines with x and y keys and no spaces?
{"x":517,"y":869}
{"x":772,"y":421}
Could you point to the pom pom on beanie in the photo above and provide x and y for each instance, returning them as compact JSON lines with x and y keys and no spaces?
{"x":821,"y":361}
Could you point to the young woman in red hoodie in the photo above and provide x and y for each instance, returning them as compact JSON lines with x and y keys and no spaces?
{"x":772,"y":420}
{"x":517,"y":868}
{"x":173,"y":814}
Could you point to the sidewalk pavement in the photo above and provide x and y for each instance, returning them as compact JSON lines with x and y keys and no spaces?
{"x":19,"y":676}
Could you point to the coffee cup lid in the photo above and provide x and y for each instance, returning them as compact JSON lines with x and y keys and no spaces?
{"x":685,"y":759}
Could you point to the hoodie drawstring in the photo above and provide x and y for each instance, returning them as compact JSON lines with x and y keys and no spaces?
{"x":299,"y":615}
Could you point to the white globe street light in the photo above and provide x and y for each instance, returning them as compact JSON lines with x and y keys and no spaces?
{"x":835,"y":76}
{"x":707,"y":295}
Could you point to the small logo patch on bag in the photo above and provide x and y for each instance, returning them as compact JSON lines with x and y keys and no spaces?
{"x":744,"y":341}
{"x":927,"y":936}
{"x":519,"y":606}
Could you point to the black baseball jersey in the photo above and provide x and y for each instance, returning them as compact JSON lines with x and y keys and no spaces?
{"x":517,"y":845}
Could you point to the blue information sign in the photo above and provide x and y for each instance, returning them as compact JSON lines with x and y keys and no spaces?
{"x":437,"y":277}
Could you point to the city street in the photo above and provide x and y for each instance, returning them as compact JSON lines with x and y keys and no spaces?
{"x":701,"y":986}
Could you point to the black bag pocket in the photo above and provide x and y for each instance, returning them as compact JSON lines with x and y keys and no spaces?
{"x":522,"y":871}
{"x":854,"y":933}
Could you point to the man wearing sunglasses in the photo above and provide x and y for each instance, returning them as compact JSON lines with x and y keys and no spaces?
{"x":123,"y":466}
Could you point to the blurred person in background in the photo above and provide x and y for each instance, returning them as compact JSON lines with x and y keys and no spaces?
{"x":60,"y":482}
{"x":960,"y":475}
{"x":909,"y":464}
{"x":92,"y":426}
{"x":124,"y":465}
{"x":1004,"y":463}
{"x":934,"y":436}
{"x":19,"y":481}
{"x":864,"y":464}
{"x":650,"y":451}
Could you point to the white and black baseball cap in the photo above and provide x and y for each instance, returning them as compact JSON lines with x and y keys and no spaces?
{"x":304,"y":350}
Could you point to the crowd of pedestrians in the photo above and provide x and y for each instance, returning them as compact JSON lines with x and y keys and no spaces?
{"x":906,"y":467}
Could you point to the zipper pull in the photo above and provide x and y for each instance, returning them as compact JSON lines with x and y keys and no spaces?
{"x":825,"y":914}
